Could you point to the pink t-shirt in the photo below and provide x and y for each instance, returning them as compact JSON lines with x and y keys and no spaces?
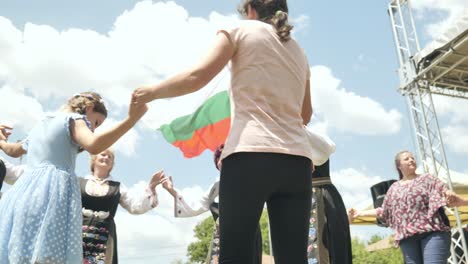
{"x":412,"y":208}
{"x":267,"y":92}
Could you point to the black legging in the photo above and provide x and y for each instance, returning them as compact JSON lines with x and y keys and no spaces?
{"x":2,"y":173}
{"x":248,"y":180}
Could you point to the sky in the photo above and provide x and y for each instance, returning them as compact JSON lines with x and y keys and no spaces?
{"x":53,"y":49}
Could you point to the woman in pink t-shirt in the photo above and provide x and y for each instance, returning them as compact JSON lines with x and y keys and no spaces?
{"x":413,"y":208}
{"x":267,"y":155}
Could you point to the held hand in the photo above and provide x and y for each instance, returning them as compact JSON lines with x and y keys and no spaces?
{"x":155,"y":180}
{"x":142,"y":95}
{"x":352,"y":214}
{"x":453,"y":200}
{"x":4,"y":132}
{"x":168,"y":184}
{"x":137,"y":110}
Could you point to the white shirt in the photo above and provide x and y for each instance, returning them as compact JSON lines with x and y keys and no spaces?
{"x":194,"y":208}
{"x":13,"y":172}
{"x":134,"y":201}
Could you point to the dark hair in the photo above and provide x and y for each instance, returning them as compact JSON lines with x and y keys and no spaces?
{"x":274,"y":12}
{"x":397,"y":163}
{"x":79,"y":102}
{"x":217,"y":154}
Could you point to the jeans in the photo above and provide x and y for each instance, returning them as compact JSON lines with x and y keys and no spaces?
{"x":427,"y":248}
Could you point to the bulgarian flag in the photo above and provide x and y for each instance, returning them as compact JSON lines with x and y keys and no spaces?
{"x":206,"y":128}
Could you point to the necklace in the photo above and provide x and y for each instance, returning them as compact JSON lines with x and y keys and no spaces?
{"x":99,"y":181}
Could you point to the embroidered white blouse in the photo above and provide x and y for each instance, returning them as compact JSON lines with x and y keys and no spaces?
{"x":134,"y":201}
{"x":13,"y":172}
{"x":197,"y":207}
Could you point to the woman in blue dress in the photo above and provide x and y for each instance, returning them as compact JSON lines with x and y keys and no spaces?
{"x":41,"y":214}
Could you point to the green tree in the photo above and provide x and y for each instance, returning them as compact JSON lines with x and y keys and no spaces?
{"x":197,"y":251}
{"x":375,"y":238}
{"x":264,"y":227}
{"x":385,"y":256}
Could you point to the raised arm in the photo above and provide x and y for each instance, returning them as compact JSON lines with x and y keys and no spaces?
{"x":14,"y":150}
{"x":182,"y":208}
{"x":353,"y":214}
{"x":96,"y":143}
{"x":194,"y":78}
{"x":454,"y":200}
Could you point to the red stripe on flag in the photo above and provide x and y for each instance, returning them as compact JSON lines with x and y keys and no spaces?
{"x":208,"y":137}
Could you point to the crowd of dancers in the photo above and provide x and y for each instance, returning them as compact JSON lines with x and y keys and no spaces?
{"x":51,"y":216}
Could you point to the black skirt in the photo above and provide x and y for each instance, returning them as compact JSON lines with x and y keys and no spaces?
{"x":329,"y":235}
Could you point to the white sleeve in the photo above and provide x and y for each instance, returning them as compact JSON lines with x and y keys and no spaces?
{"x":321,"y":147}
{"x":184,"y":209}
{"x":137,"y":201}
{"x":13,"y":172}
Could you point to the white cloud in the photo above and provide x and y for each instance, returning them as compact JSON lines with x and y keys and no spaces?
{"x":354,"y":186}
{"x":126,"y":144}
{"x":455,"y":131}
{"x":456,"y":137}
{"x":300,"y":23}
{"x":347,"y":111}
{"x":140,"y":48}
{"x":451,"y":10}
{"x":156,"y":235}
{"x":19,"y":110}
{"x":453,"y":108}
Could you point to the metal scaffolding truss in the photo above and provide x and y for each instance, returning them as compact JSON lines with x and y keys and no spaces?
{"x":446,"y":69}
{"x":443,"y":71}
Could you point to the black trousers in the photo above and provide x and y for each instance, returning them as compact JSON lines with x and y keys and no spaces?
{"x":248,"y":180}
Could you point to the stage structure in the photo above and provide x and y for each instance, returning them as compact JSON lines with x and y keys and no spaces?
{"x":439,"y":68}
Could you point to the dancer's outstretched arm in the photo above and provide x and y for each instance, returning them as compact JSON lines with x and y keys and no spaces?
{"x":353,"y":214}
{"x":14,"y":150}
{"x":454,"y":200}
{"x":194,"y":208}
{"x":141,"y":201}
{"x":194,"y":78}
{"x":96,"y":143}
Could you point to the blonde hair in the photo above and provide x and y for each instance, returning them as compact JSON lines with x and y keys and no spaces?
{"x":93,"y":158}
{"x":79,"y":102}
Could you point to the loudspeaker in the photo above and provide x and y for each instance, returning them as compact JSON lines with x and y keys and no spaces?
{"x":378,"y":192}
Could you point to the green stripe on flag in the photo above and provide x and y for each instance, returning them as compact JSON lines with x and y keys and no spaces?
{"x":215,"y":109}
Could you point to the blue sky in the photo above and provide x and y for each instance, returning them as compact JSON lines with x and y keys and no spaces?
{"x":53,"y":49}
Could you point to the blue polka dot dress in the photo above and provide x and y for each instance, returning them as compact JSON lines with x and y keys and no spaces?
{"x":40,"y":216}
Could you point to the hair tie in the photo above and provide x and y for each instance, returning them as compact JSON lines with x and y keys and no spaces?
{"x":278,"y":13}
